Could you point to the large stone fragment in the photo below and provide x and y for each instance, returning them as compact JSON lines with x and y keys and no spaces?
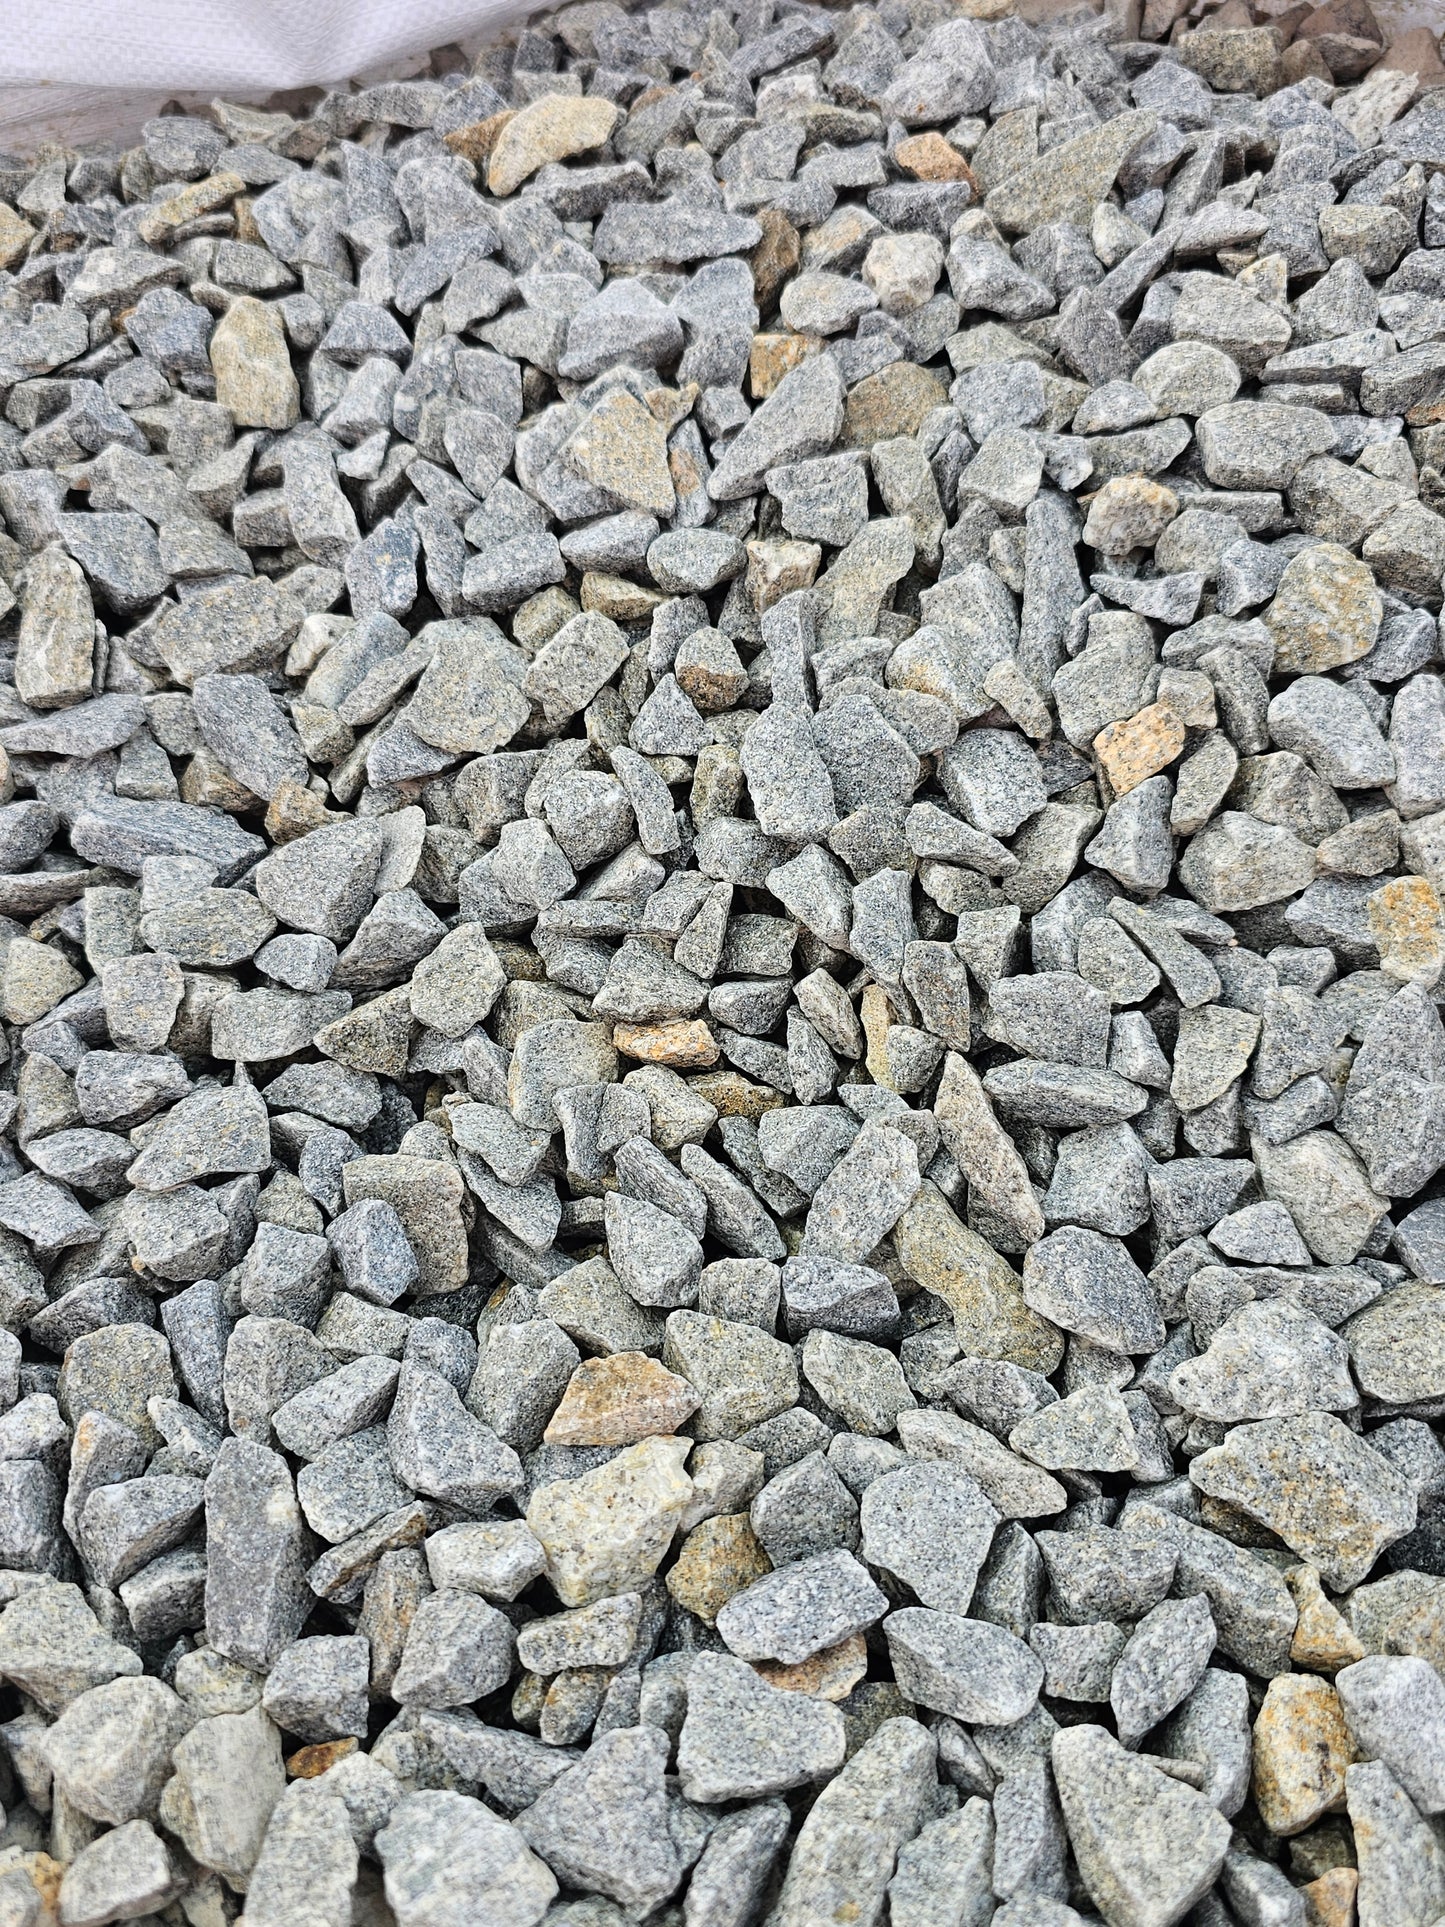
{"x":1324,"y":1491}
{"x":1148,"y":1847}
{"x":607,"y":1531}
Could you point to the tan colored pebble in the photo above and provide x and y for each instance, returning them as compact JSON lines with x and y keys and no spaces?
{"x":719,"y":1558}
{"x":1330,"y":1900}
{"x":1302,"y":1747}
{"x":732,"y":1095}
{"x":618,"y":1400}
{"x":252,"y":366}
{"x":777,"y":568}
{"x":829,"y":1675}
{"x":550,"y":129}
{"x":682,"y":1044}
{"x":193,"y":200}
{"x":1131,"y":751}
{"x":929,"y":157}
{"x":774,"y":356}
{"x":310,"y":1762}
{"x":622,"y":447}
{"x":1130,"y":512}
{"x":1326,"y":611}
{"x":1409,"y":930}
{"x":1323,"y":1640}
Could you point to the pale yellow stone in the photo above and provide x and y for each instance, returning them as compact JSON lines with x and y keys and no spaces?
{"x":719,"y":1558}
{"x":618,"y":598}
{"x":1330,"y":1900}
{"x":252,"y":366}
{"x":1068,"y":182}
{"x":622,"y":447}
{"x":1129,"y":512}
{"x":475,"y":141}
{"x":550,"y":129}
{"x":682,"y":1044}
{"x":829,"y":1675}
{"x":776,"y":355}
{"x":15,"y":236}
{"x":1326,"y":611}
{"x":1408,"y":928}
{"x":981,"y":1288}
{"x":1323,"y":1641}
{"x":310,"y":1762}
{"x":777,"y":568}
{"x":188,"y":204}
{"x":1138,"y":748}
{"x":618,"y":1400}
{"x":731,"y":1095}
{"x":609,"y":1530}
{"x":1301,"y":1750}
{"x":929,"y":157}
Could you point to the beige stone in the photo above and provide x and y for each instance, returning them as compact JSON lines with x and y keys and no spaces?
{"x":929,"y":157}
{"x":1129,"y":512}
{"x":1323,"y":1640}
{"x":618,"y":1400}
{"x":1409,"y":930}
{"x":893,"y":402}
{"x":550,"y":129}
{"x":776,"y":568}
{"x":252,"y":366}
{"x":1138,"y":748}
{"x":731,"y":1095}
{"x":1330,"y":1900}
{"x":622,"y":447}
{"x":776,"y":256}
{"x":15,"y":236}
{"x":719,"y":1558}
{"x":775,"y":355}
{"x":1326,"y":611}
{"x":36,"y":978}
{"x":190,"y":202}
{"x":986,"y":1154}
{"x":609,"y":1530}
{"x":829,"y":1675}
{"x":475,"y":141}
{"x":1301,"y":1749}
{"x":618,"y":598}
{"x":1068,"y":182}
{"x":682,"y":1044}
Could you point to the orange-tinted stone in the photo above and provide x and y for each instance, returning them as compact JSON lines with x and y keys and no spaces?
{"x":682,"y":1044}
{"x":618,"y":1400}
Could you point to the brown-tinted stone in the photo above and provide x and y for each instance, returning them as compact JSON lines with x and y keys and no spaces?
{"x":720,"y":1557}
{"x":829,"y":1675}
{"x":775,"y":257}
{"x":775,"y":355}
{"x":982,"y":1289}
{"x":475,"y":141}
{"x":682,"y":1044}
{"x":619,"y":1400}
{"x":1409,"y":931}
{"x":1323,"y":1641}
{"x":1326,"y":611}
{"x":893,"y":402}
{"x":310,"y":1762}
{"x":1301,"y":1749}
{"x":929,"y":157}
{"x":1141,"y":746}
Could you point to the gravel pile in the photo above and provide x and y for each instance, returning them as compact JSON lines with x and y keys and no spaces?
{"x":724,"y":753}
